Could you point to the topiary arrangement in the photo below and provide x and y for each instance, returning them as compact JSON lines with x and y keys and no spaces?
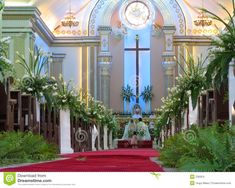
{"x":210,"y":149}
{"x":24,"y":147}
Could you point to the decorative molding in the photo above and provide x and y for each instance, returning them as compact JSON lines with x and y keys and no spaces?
{"x":105,"y":68}
{"x":104,"y":59}
{"x":58,"y":55}
{"x":169,"y":29}
{"x":180,"y":16}
{"x":36,"y":24}
{"x":168,"y":10}
{"x":203,"y":40}
{"x":168,"y":65}
{"x":104,"y":28}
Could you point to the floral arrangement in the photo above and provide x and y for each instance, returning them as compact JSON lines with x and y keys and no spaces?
{"x":90,"y":110}
{"x":33,"y":82}
{"x":190,"y":84}
{"x":64,"y":94}
{"x":223,"y":51}
{"x":5,"y":64}
{"x":147,"y":94}
{"x":127,"y":93}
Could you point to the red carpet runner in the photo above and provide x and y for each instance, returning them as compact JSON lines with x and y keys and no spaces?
{"x":120,"y":160}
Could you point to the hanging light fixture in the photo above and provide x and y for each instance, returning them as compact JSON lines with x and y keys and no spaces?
{"x":202,"y":20}
{"x":69,"y":19}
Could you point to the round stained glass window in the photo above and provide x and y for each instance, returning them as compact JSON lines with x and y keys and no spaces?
{"x":136,"y":14}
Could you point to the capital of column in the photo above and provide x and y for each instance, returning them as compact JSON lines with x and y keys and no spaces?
{"x":104,"y":30}
{"x":104,"y":38}
{"x":104,"y":57}
{"x":169,"y":29}
{"x":105,"y":68}
{"x":169,"y":32}
{"x":169,"y":67}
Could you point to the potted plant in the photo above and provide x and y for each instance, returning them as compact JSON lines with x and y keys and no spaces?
{"x":35,"y":81}
{"x":64,"y":99}
{"x":127,"y":95}
{"x":147,"y":96}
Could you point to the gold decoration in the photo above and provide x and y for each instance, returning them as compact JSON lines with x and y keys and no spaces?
{"x":202,"y":20}
{"x":69,"y":19}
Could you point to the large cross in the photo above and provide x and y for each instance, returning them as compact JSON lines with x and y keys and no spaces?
{"x":137,"y":49}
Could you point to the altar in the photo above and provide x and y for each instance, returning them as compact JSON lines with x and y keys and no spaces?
{"x":135,"y":124}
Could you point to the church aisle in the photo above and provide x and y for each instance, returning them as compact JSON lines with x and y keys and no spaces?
{"x":120,"y":160}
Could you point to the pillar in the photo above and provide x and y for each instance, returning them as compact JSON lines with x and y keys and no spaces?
{"x":168,"y":64}
{"x":56,"y":65}
{"x":1,"y":10}
{"x":169,"y":58}
{"x":104,"y":64}
{"x":231,"y":78}
{"x":105,"y":137}
{"x":110,"y":139}
{"x":98,"y":128}
{"x":65,"y":134}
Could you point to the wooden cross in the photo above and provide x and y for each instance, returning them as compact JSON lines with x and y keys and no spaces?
{"x":137,"y":49}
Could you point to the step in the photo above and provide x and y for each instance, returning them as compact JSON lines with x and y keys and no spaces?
{"x":141,"y":144}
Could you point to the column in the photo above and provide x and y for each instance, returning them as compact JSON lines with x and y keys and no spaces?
{"x":231,"y":78}
{"x":104,"y":62}
{"x":169,"y":58}
{"x":1,"y":10}
{"x":110,"y":139}
{"x":98,"y":128}
{"x":105,"y":137}
{"x":65,"y":132}
{"x":56,"y":65}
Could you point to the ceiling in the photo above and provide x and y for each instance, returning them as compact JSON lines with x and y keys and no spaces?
{"x":54,"y":10}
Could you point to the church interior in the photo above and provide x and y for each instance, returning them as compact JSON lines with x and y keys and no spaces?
{"x":108,"y":75}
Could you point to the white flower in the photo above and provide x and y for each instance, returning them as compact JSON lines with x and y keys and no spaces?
{"x":44,"y":87}
{"x":63,"y":100}
{"x":5,"y":40}
{"x":5,"y":60}
{"x":30,"y":89}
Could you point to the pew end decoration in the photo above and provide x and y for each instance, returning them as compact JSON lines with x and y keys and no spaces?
{"x":35,"y":81}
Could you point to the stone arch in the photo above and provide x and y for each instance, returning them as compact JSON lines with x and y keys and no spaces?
{"x":170,"y":10}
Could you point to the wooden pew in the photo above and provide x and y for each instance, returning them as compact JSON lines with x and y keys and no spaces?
{"x":50,"y":122}
{"x":202,"y":110}
{"x":29,"y":113}
{"x":18,"y":121}
{"x":221,"y":105}
{"x":6,"y":108}
{"x":210,"y":108}
{"x":79,"y":144}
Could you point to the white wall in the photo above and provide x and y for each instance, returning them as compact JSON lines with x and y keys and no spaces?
{"x":41,"y":43}
{"x":72,"y":63}
{"x":201,"y":50}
